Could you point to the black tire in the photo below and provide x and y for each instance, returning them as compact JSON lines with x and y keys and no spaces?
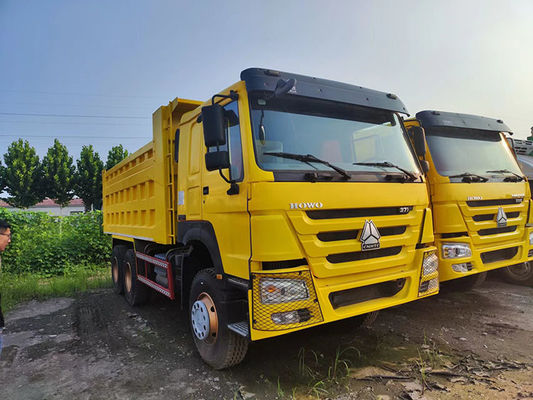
{"x":220,"y":348}
{"x":135,"y":292}
{"x":467,"y":283}
{"x":520,"y":274}
{"x":117,"y":269}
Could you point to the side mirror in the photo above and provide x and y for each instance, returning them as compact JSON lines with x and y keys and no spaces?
{"x":217,"y":160}
{"x":213,"y":119}
{"x":419,"y":140}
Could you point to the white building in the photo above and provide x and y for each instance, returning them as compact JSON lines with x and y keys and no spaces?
{"x":51,"y":207}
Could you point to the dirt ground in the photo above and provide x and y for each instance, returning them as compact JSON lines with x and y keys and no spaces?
{"x":452,"y":346}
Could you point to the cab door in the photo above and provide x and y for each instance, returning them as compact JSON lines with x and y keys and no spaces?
{"x":227,"y":209}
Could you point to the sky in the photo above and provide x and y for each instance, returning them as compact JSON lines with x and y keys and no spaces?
{"x":92,"y":72}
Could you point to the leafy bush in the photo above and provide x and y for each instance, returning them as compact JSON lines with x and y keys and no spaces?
{"x":48,"y":245}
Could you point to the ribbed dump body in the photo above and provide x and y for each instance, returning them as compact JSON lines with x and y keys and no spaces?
{"x":139,"y":193}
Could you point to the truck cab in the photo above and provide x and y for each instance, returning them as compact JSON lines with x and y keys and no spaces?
{"x":281,"y":203}
{"x":479,"y":196}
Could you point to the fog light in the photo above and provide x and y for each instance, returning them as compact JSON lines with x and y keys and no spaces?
{"x":456,"y":250}
{"x":463,"y":267}
{"x":531,"y":238}
{"x":291,"y":317}
{"x":430,"y":263}
{"x":275,"y":291}
{"x":429,"y":286}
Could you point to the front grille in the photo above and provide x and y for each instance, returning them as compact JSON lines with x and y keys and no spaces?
{"x":270,"y":265}
{"x":497,"y":202}
{"x":338,"y":235}
{"x":352,"y":234}
{"x":495,"y":231}
{"x":498,"y":255}
{"x":358,"y":212}
{"x":453,"y":235}
{"x":363,"y":255}
{"x":490,"y":217}
{"x":366,"y":293}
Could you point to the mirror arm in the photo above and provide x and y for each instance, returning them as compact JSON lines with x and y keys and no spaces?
{"x":233,"y":95}
{"x":234,"y":188}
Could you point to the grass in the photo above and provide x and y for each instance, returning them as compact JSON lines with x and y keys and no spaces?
{"x":19,"y":288}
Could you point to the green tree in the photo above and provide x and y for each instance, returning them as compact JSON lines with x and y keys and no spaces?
{"x":115,"y":155}
{"x":58,"y":174}
{"x":2,"y":173}
{"x":22,"y":175}
{"x":88,"y":184}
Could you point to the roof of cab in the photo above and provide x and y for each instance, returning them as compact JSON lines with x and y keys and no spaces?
{"x":260,"y":79}
{"x":431,"y":118}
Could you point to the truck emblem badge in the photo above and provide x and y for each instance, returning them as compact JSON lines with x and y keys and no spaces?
{"x":501,"y":218}
{"x":306,"y":205}
{"x":369,"y":236}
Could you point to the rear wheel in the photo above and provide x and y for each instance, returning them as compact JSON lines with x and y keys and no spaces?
{"x":467,"y":283}
{"x":218,"y":346}
{"x":135,"y":292}
{"x":519,"y":274}
{"x":117,"y":270}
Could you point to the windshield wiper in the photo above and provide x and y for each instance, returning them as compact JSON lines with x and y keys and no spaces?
{"x":469,"y":175}
{"x":388,"y":165}
{"x":506,"y":171}
{"x":307,"y":158}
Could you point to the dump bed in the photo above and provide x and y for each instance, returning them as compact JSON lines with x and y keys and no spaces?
{"x":139,"y":193}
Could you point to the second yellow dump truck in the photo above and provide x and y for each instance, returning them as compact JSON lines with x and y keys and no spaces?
{"x":282,"y":203}
{"x":480,"y":199}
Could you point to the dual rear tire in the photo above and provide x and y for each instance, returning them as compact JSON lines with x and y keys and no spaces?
{"x":124,"y":276}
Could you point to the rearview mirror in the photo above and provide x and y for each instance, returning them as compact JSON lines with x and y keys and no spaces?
{"x":213,"y":120}
{"x":419,"y":140}
{"x":217,"y":160}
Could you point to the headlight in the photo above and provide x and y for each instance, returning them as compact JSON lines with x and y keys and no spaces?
{"x":456,"y":250}
{"x":275,"y":291}
{"x":531,"y":238}
{"x":430,"y":263}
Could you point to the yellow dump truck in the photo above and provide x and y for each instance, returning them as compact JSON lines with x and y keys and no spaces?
{"x":480,"y":199}
{"x":282,"y":203}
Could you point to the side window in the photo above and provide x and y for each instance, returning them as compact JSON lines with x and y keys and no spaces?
{"x":233,"y":144}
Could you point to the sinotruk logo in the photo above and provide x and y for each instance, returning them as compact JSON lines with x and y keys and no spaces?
{"x":501,"y":218}
{"x":369,"y":236}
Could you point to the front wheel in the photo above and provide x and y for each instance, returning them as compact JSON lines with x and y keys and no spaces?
{"x":218,"y":346}
{"x":519,"y":274}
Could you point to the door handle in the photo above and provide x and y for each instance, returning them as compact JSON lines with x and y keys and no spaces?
{"x":205,"y":190}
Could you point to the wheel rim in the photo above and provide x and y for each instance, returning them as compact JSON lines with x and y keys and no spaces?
{"x":521,"y":270}
{"x":114,"y":270}
{"x":127,"y":277}
{"x":204,"y":318}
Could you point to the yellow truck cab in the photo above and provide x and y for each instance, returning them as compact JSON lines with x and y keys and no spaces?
{"x":479,"y":196}
{"x":282,"y":203}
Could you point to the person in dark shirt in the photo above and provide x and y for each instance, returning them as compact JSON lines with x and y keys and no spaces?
{"x":5,"y":239}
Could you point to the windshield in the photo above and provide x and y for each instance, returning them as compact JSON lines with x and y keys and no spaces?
{"x":458,"y":150}
{"x":341,"y":134}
